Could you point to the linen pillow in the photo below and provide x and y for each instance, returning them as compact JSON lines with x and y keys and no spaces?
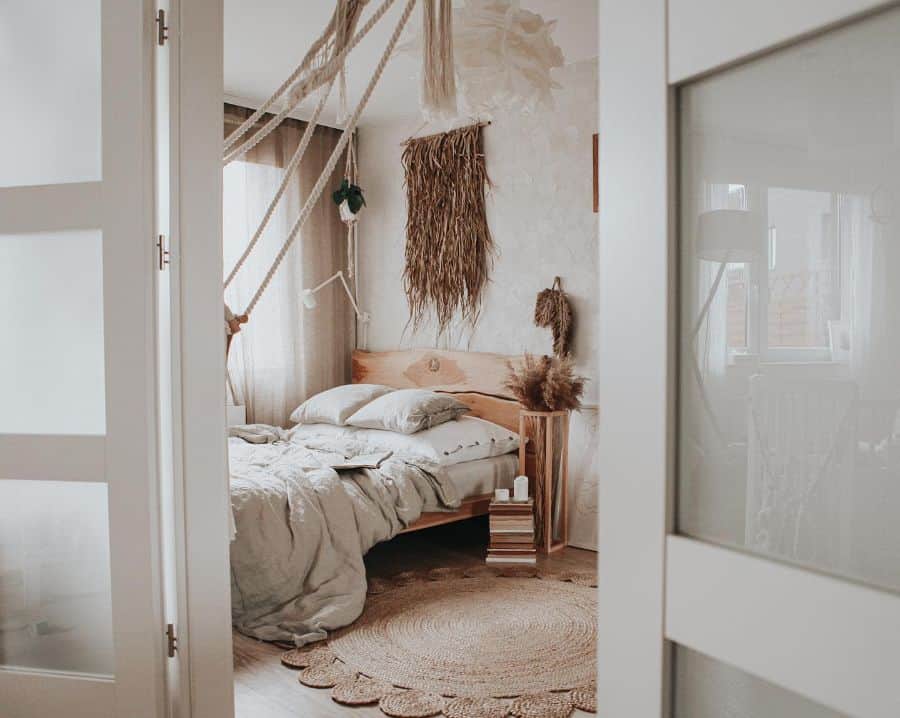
{"x":408,"y":411}
{"x":454,"y":442}
{"x":335,"y":406}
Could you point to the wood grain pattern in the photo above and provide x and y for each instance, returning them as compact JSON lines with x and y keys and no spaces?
{"x":263,"y":687}
{"x":475,"y":378}
{"x":434,"y":369}
{"x":504,"y":412}
{"x":476,"y":506}
{"x":538,"y":430}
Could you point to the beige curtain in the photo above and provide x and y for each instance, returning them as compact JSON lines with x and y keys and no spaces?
{"x":286,"y":353}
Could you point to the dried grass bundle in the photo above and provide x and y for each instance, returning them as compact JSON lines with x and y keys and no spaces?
{"x":546,"y":383}
{"x":552,"y":309}
{"x":449,"y":248}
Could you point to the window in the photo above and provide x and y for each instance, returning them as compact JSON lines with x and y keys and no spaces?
{"x":800,"y":291}
{"x":785,"y":304}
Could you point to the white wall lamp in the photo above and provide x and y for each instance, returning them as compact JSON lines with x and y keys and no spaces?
{"x":310,"y":301}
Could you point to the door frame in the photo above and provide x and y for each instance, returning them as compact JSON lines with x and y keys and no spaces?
{"x":202,"y":498}
{"x":658,"y":587}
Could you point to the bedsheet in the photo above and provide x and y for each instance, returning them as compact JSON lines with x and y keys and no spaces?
{"x":302,"y":529}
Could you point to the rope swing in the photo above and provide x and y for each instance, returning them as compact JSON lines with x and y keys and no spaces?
{"x":321,"y":67}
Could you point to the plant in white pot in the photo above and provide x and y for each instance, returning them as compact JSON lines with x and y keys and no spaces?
{"x":349,"y":199}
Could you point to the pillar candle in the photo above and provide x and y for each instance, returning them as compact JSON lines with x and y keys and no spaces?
{"x":520,"y":488}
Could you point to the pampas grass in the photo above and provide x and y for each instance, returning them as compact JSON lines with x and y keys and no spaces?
{"x":546,"y":383}
{"x":449,"y":248}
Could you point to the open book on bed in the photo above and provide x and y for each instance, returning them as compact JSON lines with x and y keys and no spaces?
{"x":363,"y":461}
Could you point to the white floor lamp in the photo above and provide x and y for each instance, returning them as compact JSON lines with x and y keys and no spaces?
{"x":308,"y":297}
{"x":723,"y":236}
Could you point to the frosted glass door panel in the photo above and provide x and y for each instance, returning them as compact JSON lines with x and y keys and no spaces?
{"x":52,"y":367}
{"x":706,"y":688}
{"x":790,"y":342}
{"x":54,"y":577}
{"x":50,"y":75}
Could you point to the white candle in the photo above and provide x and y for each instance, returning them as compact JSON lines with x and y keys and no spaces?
{"x":520,"y":488}
{"x":501,"y":494}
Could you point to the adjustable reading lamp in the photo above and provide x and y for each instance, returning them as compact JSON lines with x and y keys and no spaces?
{"x":310,"y":302}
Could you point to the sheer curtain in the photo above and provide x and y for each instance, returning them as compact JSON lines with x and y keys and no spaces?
{"x":286,"y":353}
{"x":873,"y":336}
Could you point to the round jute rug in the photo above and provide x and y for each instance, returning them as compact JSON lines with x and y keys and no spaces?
{"x":465,"y":643}
{"x":479,"y":637}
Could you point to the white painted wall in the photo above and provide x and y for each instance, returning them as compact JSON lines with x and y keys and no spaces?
{"x":541,"y":216}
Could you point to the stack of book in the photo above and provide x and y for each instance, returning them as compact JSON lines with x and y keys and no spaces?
{"x":512,"y":532}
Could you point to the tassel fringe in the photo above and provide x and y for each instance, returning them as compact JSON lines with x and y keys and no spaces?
{"x":438,"y":69}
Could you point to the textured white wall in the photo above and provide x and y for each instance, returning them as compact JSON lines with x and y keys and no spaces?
{"x":541,"y":216}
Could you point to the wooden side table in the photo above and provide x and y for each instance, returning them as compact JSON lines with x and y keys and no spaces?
{"x":544,"y":459}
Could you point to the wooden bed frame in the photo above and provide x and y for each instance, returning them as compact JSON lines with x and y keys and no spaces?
{"x":476,"y":379}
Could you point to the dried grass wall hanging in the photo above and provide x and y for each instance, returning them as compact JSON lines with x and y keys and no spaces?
{"x":449,"y":248}
{"x":553,"y":309}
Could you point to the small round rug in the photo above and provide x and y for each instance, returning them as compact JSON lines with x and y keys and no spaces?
{"x":484,"y":636}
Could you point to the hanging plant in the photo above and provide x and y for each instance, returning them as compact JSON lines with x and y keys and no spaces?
{"x":349,"y":198}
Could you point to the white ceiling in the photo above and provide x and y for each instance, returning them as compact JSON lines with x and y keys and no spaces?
{"x":265,"y":39}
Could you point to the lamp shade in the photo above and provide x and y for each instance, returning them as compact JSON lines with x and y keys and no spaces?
{"x":727,"y":235}
{"x":309,"y":299}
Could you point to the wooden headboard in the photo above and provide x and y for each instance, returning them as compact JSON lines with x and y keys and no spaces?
{"x":474,"y":378}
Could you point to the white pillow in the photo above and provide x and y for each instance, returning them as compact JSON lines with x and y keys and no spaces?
{"x":408,"y":411}
{"x":335,"y":406}
{"x":454,"y":442}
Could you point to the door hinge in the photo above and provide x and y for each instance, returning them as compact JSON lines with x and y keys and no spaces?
{"x":172,"y":640}
{"x":162,"y":252}
{"x":162,"y":30}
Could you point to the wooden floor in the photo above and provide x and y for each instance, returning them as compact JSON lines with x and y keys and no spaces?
{"x":265,"y":689}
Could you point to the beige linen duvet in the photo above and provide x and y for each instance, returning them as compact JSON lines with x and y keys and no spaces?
{"x":302,"y":529}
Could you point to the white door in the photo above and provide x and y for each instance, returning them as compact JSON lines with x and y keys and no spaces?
{"x":81,"y":628}
{"x":749,"y":542}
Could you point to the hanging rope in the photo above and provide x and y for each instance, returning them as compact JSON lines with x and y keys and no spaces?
{"x":285,"y":181}
{"x":303,"y":88}
{"x":315,"y":57}
{"x":324,"y":177}
{"x":233,"y":138}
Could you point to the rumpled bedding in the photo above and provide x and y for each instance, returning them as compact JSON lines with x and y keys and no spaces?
{"x":302,"y":529}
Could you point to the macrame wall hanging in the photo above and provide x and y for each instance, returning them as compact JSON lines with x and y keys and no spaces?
{"x":449,"y":248}
{"x":553,"y":309}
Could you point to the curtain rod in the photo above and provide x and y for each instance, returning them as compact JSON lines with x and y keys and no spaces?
{"x":239,"y":120}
